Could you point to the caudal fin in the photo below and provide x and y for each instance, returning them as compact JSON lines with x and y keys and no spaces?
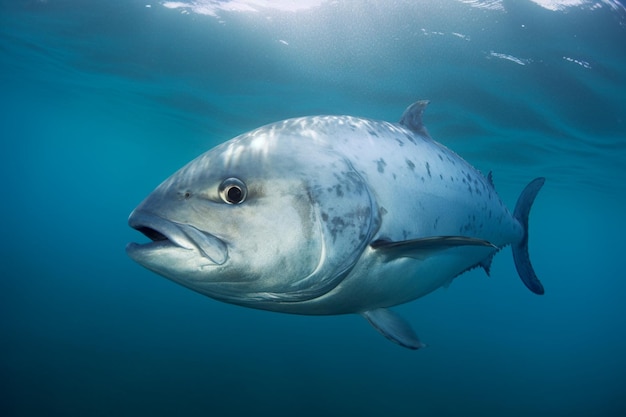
{"x":520,"y":250}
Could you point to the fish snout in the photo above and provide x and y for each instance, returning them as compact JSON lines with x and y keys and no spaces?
{"x":165,"y":233}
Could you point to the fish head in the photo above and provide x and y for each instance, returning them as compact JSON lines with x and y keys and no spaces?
{"x":261,"y":220}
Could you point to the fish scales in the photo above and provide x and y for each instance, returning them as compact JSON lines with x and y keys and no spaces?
{"x":328,"y":215}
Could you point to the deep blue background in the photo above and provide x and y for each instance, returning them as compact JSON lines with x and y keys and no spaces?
{"x":100,"y":101}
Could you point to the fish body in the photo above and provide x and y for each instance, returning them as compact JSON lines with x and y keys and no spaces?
{"x":329,"y":215}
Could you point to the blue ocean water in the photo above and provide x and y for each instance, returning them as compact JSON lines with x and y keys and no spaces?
{"x":102,"y":100}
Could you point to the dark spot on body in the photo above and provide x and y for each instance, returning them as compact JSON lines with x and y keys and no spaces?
{"x":364,"y":212}
{"x":381,"y":164}
{"x":338,"y":224}
{"x":338,"y":221}
{"x":428,"y":170}
{"x":410,"y":164}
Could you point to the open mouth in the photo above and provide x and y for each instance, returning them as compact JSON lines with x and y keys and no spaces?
{"x":166,"y":233}
{"x":152,"y":234}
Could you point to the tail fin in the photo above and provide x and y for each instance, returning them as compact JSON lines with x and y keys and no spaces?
{"x":520,"y":250}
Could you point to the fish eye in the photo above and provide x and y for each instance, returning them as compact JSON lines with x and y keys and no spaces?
{"x":233,"y":191}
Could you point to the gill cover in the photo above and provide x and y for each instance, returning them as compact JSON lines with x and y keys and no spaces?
{"x":346,"y":217}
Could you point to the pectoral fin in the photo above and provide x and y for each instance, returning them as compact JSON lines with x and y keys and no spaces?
{"x":393,"y":327}
{"x":424,"y":247}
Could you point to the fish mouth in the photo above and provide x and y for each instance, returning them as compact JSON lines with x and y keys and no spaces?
{"x":165,"y":233}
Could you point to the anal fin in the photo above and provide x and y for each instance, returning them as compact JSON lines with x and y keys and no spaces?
{"x":393,"y":327}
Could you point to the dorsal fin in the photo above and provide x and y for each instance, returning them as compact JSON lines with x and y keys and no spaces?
{"x":412,"y":117}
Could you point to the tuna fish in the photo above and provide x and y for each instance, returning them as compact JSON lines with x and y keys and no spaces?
{"x":329,"y":215}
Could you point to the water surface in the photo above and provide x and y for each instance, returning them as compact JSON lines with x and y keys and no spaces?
{"x":102,"y":100}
